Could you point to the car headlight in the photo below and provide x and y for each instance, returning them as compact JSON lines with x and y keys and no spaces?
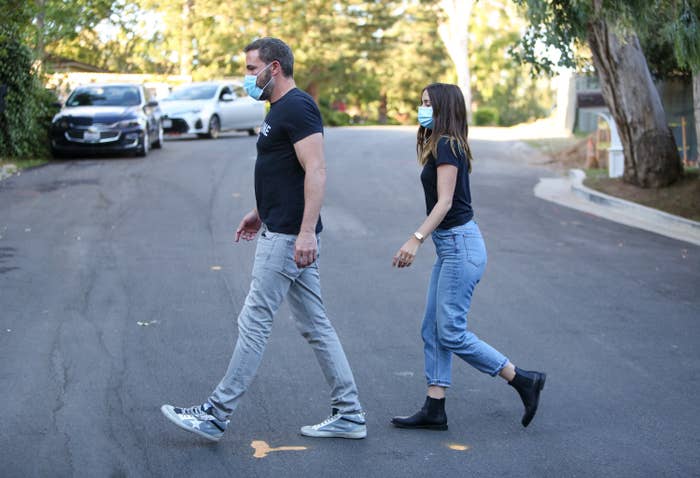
{"x":130,"y":123}
{"x":61,"y":123}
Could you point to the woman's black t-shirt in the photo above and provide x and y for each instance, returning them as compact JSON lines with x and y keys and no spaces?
{"x":279,"y":178}
{"x":461,"y":211}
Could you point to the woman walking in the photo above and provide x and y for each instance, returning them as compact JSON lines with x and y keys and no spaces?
{"x":444,"y":153}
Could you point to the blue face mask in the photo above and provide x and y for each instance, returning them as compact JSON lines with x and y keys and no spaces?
{"x":425,"y":116}
{"x":251,"y":86}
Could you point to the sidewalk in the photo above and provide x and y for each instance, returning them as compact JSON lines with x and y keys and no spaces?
{"x":570,"y":192}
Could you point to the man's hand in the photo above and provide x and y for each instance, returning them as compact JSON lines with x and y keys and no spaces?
{"x":305,"y":249}
{"x":249,"y":226}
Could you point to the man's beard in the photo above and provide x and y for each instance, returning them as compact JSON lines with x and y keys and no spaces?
{"x":268,"y":87}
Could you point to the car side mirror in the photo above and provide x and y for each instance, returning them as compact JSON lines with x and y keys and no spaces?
{"x":152,"y":104}
{"x":227,"y":97}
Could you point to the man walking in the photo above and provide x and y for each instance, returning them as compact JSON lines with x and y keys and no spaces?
{"x":290,"y":177}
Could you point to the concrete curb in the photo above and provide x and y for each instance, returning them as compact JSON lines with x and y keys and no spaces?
{"x":569,"y":191}
{"x":7,"y":171}
{"x":577,"y":177}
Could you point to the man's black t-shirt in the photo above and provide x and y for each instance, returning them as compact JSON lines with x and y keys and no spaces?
{"x":279,"y":177}
{"x":461,"y":211}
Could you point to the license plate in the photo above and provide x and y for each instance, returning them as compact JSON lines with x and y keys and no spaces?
{"x":167,"y":123}
{"x":92,"y":137}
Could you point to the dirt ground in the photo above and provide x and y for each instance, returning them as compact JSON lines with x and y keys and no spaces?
{"x":681,"y":198}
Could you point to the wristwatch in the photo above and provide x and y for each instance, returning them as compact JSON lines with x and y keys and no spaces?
{"x":419,"y":236}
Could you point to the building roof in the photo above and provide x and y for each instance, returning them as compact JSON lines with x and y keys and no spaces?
{"x":61,"y":64}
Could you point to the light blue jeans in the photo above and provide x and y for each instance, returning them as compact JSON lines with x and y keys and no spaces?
{"x":275,"y":275}
{"x":461,"y":259}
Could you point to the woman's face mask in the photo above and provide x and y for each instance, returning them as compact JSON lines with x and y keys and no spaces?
{"x":425,"y":116}
{"x":251,"y":86}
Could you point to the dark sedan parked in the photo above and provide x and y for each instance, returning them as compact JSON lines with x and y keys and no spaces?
{"x":107,"y":119}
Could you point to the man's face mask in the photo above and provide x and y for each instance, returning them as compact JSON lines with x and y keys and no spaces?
{"x":251,"y":86}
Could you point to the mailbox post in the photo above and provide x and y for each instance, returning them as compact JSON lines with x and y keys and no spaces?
{"x":616,"y":153}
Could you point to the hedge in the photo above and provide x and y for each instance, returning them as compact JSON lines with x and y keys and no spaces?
{"x":28,"y":109}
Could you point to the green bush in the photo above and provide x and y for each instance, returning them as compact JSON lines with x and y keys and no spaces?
{"x":332,"y":117}
{"x":28,"y":110}
{"x":486,"y":116}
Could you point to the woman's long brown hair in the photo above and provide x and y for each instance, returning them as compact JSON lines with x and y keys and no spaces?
{"x":449,"y":120}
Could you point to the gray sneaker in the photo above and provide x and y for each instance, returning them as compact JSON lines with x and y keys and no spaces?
{"x":345,"y":425}
{"x":197,"y":420}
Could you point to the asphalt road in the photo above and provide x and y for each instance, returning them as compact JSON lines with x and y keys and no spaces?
{"x":120,"y":286}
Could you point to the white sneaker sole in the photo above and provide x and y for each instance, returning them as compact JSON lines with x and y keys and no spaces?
{"x":310,"y":432}
{"x":172,"y":416}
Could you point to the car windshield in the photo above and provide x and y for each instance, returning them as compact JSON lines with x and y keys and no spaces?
{"x":193,"y":92}
{"x":105,"y":96}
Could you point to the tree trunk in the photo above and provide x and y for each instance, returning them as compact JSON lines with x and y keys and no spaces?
{"x":455,"y":35}
{"x":186,"y":38}
{"x":313,"y":90}
{"x":651,"y":155}
{"x":382,"y":113}
{"x":696,"y":107}
{"x":40,"y":47}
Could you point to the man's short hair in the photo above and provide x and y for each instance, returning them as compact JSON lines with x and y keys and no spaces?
{"x":271,"y":49}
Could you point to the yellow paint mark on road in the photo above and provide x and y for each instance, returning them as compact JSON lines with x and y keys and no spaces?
{"x":262,"y":448}
{"x":457,"y":447}
{"x":216,"y":268}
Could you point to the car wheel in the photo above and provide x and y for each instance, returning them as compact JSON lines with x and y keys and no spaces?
{"x":145,"y":144}
{"x":56,"y":154}
{"x":159,"y":142}
{"x":214,"y":127}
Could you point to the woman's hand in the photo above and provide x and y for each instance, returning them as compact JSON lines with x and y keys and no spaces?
{"x":404,"y":256}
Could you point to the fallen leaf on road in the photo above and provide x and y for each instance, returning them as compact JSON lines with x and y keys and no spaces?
{"x":262,"y":448}
{"x":457,"y":447}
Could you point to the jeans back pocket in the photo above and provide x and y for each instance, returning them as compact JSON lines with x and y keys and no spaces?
{"x":476,"y":249}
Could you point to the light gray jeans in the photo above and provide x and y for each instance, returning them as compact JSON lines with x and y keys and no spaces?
{"x":275,"y":275}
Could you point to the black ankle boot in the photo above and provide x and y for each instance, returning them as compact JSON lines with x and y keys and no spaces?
{"x":528,"y":384}
{"x":431,"y":416}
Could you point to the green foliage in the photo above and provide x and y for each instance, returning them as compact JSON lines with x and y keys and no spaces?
{"x":685,"y":32}
{"x":561,"y":25}
{"x":56,"y":20}
{"x":498,"y":80}
{"x":375,"y":57}
{"x":486,"y":116}
{"x":24,"y":123}
{"x":333,"y":117}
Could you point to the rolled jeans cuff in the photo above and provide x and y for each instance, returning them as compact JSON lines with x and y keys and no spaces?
{"x":438,"y":383}
{"x":500,"y":367}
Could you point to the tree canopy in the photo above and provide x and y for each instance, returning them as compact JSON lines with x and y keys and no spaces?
{"x":370,"y":59}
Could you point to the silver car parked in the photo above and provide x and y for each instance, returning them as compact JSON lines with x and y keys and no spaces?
{"x":207,"y":108}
